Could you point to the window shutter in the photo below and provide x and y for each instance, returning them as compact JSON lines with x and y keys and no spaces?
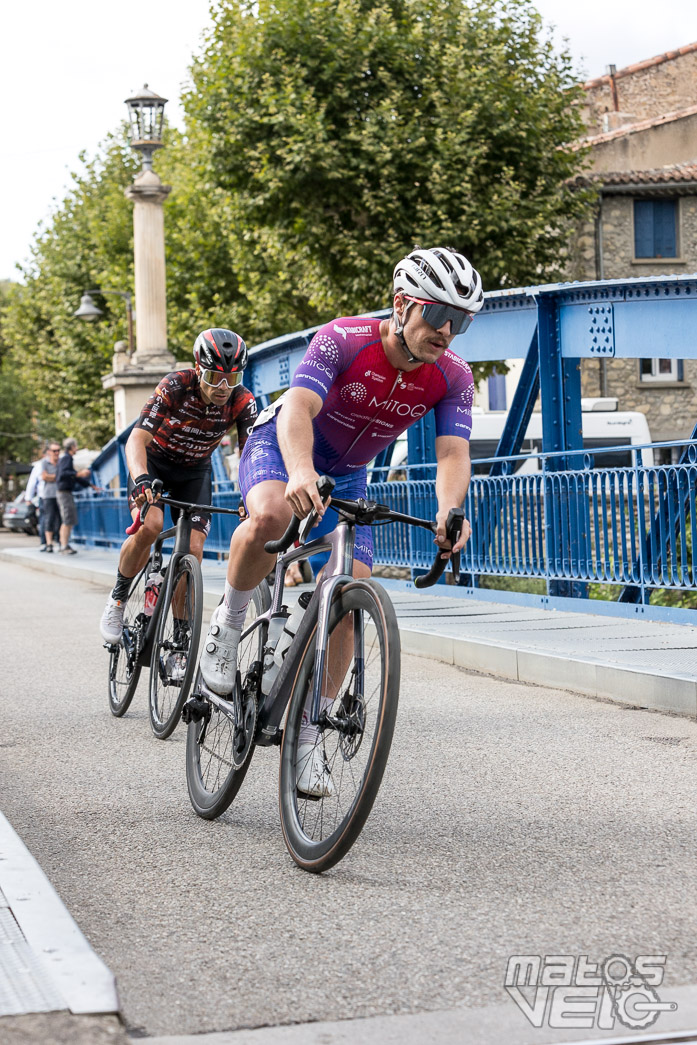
{"x":664,"y":228}
{"x":643,"y":229}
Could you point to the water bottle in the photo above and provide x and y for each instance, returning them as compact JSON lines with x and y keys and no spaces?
{"x":270,"y":671}
{"x":275,"y":659}
{"x":152,"y":590}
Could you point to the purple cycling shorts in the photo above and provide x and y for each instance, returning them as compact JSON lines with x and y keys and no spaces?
{"x":262,"y":460}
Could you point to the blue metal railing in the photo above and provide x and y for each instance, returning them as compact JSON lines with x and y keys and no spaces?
{"x":631,"y":526}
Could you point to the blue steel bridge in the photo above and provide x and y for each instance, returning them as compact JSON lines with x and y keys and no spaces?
{"x":571,"y":523}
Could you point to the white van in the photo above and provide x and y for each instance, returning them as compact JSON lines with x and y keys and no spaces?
{"x":603,"y":426}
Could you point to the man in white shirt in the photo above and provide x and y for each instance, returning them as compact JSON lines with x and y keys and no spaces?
{"x":34,"y":494}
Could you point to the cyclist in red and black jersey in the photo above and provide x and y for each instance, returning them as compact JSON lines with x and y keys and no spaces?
{"x":179,"y":427}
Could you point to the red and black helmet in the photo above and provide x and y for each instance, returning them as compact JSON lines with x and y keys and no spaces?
{"x":221,"y":350}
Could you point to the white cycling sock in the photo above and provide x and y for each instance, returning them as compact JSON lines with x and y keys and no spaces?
{"x":233,"y":608}
{"x":308,"y":733}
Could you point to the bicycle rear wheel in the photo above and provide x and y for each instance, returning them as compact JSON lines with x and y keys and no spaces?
{"x":175,"y":648}
{"x":124,"y":659}
{"x":219,"y":746}
{"x":362,"y":669}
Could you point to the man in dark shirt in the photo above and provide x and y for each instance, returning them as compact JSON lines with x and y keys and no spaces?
{"x":66,"y":481}
{"x":173,"y":440}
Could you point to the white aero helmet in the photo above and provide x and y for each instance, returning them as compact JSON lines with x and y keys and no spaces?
{"x":440,"y":275}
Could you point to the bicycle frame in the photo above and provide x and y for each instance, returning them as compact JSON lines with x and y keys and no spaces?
{"x":181,"y":532}
{"x":338,"y":571}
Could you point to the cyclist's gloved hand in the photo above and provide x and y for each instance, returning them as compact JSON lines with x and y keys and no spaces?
{"x":441,"y":538}
{"x":143,"y":489}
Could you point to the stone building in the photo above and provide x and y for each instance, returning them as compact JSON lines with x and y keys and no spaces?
{"x":642,"y":124}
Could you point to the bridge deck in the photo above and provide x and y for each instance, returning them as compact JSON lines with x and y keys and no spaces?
{"x":638,"y":662}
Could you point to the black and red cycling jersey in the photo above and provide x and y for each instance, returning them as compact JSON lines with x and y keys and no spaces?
{"x":185,"y":429}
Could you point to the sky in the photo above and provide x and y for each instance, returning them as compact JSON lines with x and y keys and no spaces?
{"x":66,"y":67}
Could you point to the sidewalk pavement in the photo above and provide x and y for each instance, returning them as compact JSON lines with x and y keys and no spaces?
{"x":639,"y":662}
{"x":632,"y":661}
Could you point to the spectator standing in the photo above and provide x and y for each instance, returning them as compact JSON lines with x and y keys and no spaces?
{"x":34,"y":494}
{"x":66,"y":481}
{"x":51,"y":514}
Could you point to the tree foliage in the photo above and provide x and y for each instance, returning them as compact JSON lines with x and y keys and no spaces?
{"x":324,"y":139}
{"x":345,"y":131}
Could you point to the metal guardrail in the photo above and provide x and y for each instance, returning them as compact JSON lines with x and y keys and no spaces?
{"x":626,"y":527}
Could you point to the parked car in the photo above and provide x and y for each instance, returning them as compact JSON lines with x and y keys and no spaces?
{"x":18,"y":515}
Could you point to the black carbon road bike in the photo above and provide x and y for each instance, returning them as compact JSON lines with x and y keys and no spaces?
{"x":165,"y":637}
{"x":340,"y":674}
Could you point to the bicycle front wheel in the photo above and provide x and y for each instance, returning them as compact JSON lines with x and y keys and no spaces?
{"x":219,"y":746}
{"x":175,"y":649}
{"x":348,"y":751}
{"x":124,"y":658}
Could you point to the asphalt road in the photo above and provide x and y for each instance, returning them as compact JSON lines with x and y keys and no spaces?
{"x":512,"y":819}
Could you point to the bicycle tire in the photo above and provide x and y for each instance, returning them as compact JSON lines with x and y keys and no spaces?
{"x":167,"y":693}
{"x":211,"y":778}
{"x":318,"y":832}
{"x":124,"y":659}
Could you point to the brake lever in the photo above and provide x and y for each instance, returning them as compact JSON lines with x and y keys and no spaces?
{"x":157,"y":487}
{"x":453,"y":530}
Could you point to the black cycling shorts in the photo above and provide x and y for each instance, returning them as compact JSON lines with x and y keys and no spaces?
{"x":183,"y":484}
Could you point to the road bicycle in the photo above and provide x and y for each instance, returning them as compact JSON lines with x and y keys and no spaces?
{"x":162,"y":622}
{"x":339,"y":671}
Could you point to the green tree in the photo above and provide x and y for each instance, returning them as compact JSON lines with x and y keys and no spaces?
{"x":88,"y":243}
{"x":345,"y":131}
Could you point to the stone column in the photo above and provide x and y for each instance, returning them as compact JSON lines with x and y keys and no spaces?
{"x":148,"y":194}
{"x":133,"y":380}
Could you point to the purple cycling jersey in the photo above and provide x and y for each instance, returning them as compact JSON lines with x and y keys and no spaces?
{"x":368,"y":402}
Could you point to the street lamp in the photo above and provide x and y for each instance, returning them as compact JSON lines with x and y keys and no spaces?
{"x":90,"y":312}
{"x":146,"y":113}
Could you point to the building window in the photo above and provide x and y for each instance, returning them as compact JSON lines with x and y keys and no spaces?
{"x":655,"y":228}
{"x":660,"y":370}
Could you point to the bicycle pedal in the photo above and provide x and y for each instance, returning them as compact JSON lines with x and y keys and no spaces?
{"x":194,"y":710}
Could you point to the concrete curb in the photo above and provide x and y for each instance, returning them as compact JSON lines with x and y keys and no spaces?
{"x":590,"y":678}
{"x":74,"y":977}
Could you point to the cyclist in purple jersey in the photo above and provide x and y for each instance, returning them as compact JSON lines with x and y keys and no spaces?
{"x":368,"y":401}
{"x":360,"y":384}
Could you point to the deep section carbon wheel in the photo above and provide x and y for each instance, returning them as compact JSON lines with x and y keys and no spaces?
{"x":175,"y":649}
{"x":330,"y":774}
{"x":124,"y":658}
{"x":220,"y":739}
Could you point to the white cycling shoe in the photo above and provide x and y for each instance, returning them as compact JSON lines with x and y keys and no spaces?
{"x":175,"y":666}
{"x":111,"y":624}
{"x":314,"y":778}
{"x":218,"y":662}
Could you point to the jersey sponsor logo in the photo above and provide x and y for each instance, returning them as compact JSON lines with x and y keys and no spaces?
{"x":352,"y":330}
{"x":311,"y":377}
{"x":324,"y":345}
{"x":393,"y":406}
{"x":319,"y":365}
{"x":375,"y":376}
{"x":355,"y":392}
{"x":463,"y":364}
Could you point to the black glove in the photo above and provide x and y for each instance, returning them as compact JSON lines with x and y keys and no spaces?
{"x":142,"y":483}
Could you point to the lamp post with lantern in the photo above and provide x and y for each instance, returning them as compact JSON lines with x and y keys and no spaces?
{"x":135,"y":374}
